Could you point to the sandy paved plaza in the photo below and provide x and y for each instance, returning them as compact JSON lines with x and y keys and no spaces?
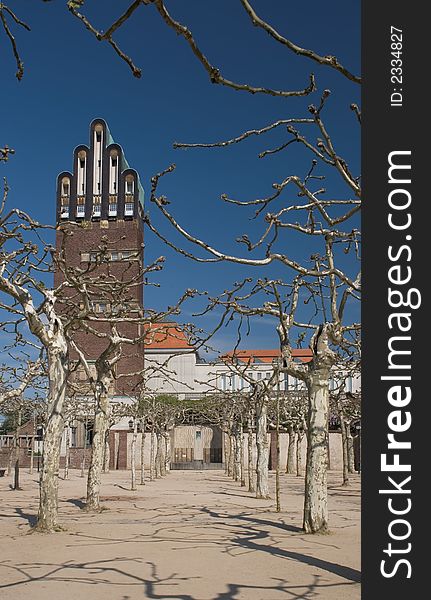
{"x":190,"y":536}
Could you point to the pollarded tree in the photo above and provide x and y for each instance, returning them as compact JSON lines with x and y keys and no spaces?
{"x":319,"y":218}
{"x":346,"y":408}
{"x":328,"y":226}
{"x":28,"y":301}
{"x":54,"y":317}
{"x":330,"y":344}
{"x":122,"y":324}
{"x":329,"y":274}
{"x":249,"y":406}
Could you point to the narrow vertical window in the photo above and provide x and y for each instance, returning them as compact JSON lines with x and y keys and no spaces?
{"x":223,"y":382}
{"x":130,"y":184}
{"x":64,"y":197}
{"x":129,"y":205}
{"x":113,"y":172}
{"x":97,"y":167}
{"x":65,"y":187}
{"x":82,"y":160}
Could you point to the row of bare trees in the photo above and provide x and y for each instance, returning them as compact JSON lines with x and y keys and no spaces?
{"x":48,"y":320}
{"x":315,"y":207}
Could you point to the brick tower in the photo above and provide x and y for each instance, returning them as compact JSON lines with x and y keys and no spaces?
{"x":101,"y":203}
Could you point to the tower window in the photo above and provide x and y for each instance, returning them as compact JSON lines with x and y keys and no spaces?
{"x":97,"y":206}
{"x":130,"y":185}
{"x":128,"y":209}
{"x":97,"y":169}
{"x":100,"y":307}
{"x":80,"y":184}
{"x":80,"y":206}
{"x":65,"y":187}
{"x":64,"y":202}
{"x":113,"y":172}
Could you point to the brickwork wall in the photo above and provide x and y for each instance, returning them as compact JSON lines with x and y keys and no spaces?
{"x":122,"y":235}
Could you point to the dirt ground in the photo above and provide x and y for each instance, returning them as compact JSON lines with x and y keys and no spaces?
{"x":194,"y":535}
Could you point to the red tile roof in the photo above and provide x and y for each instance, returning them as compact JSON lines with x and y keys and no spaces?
{"x":267,"y":356}
{"x":166,"y":336}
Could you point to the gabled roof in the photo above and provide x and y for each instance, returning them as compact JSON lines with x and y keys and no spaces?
{"x":303,"y":355}
{"x":166,"y":336}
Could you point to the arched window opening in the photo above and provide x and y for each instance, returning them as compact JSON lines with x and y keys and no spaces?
{"x":113,"y":172}
{"x":130,"y":185}
{"x":65,"y":187}
{"x":129,"y":200}
{"x":97,"y":166}
{"x":82,"y":165}
{"x":64,"y":197}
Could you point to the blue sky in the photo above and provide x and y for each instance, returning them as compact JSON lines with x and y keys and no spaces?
{"x":70,"y":79}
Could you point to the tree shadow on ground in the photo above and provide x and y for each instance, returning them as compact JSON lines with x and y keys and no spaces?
{"x":31,"y":519}
{"x":76,"y":502}
{"x":244,"y":495}
{"x":154,"y":587}
{"x":249,"y":541}
{"x":253,"y":520}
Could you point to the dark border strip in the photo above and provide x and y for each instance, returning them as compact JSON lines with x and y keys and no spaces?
{"x":395,"y":120}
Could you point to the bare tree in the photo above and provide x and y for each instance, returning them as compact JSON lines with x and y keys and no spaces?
{"x":346,"y":408}
{"x":329,"y":224}
{"x":27,"y":299}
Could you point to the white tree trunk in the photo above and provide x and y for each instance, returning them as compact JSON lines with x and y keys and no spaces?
{"x":350,"y":450}
{"x":167,"y":453}
{"x":133,"y":456}
{"x":10,"y":459}
{"x":48,"y":499}
{"x":316,"y":492}
{"x":101,"y":423}
{"x":67,"y":457}
{"x":162,"y":456}
{"x":226,"y":452}
{"x":290,"y":463}
{"x":16,"y":485}
{"x":251,"y":465}
{"x":237,"y":447}
{"x":344,"y":449}
{"x":242,"y":454}
{"x":262,"y":488}
{"x":158,"y":458}
{"x":231,"y":461}
{"x":152,"y":457}
{"x":142,"y":482}
{"x":299,"y":437}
